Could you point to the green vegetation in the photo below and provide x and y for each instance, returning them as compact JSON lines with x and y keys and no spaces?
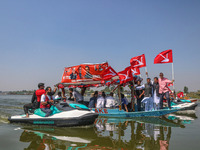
{"x":194,"y":94}
{"x":185,"y":89}
{"x":23,"y":92}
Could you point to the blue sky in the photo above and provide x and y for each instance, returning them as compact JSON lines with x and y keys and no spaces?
{"x":39,"y":38}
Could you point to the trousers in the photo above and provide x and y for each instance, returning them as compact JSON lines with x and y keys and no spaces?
{"x":47,"y":111}
{"x":168,"y":100}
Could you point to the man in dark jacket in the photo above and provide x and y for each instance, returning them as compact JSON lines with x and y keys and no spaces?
{"x":148,"y":96}
{"x":148,"y":88}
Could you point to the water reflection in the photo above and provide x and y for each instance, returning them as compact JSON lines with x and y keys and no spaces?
{"x":107,"y":133}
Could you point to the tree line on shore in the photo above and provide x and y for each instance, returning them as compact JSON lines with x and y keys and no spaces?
{"x":106,"y":89}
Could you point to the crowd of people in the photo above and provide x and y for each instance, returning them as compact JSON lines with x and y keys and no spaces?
{"x":152,"y":94}
{"x":149,"y":97}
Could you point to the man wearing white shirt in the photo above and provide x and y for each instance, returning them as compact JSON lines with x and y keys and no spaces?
{"x":101,"y":100}
{"x":46,"y":100}
{"x":110,"y":101}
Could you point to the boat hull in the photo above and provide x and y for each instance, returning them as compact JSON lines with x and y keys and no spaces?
{"x":121,"y":113}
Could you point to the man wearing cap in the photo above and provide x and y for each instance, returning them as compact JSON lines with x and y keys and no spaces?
{"x":35,"y":101}
{"x":164,"y":90}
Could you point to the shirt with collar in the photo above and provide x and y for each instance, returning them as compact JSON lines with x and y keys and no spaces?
{"x":163,"y":85}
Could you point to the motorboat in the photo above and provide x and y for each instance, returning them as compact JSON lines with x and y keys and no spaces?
{"x":184,"y":105}
{"x":64,"y":114}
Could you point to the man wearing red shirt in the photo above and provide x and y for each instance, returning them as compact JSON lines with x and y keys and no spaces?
{"x":164,"y":90}
{"x":35,"y":101}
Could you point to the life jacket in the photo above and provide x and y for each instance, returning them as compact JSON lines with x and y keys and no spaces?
{"x":39,"y":93}
{"x":46,"y":100}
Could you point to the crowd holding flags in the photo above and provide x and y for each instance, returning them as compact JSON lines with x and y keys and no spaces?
{"x":105,"y":74}
{"x":96,"y":75}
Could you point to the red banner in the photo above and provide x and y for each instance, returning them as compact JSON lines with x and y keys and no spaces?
{"x":84,"y":73}
{"x":164,"y":57}
{"x":138,"y":61}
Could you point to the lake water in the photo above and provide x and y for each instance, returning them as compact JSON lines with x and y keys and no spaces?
{"x":180,"y":132}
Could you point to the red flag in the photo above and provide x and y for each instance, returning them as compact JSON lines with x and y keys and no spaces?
{"x":164,"y":57}
{"x":125,"y":75}
{"x":138,"y":61}
{"x":170,"y":84}
{"x":109,"y":73}
{"x":135,"y":71}
{"x":180,"y":95}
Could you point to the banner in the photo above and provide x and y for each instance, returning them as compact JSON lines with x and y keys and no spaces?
{"x":164,"y":57}
{"x":138,"y":61}
{"x":84,"y":73}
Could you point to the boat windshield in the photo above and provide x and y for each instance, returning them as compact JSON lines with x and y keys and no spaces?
{"x":62,"y":107}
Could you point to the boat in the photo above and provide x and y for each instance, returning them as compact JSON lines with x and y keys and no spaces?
{"x":184,"y":105}
{"x":188,"y":100}
{"x":116,"y":113}
{"x":63,"y":115}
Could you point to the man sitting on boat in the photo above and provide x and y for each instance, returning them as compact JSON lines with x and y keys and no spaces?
{"x":35,"y":101}
{"x":71,"y":97}
{"x":93,"y":100}
{"x":124,"y":102}
{"x":46,"y":100}
{"x":110,"y":101}
{"x":77,"y":96}
{"x":58,"y":96}
{"x":101,"y":100}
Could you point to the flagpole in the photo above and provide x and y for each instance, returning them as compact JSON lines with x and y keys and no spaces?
{"x":146,"y":72}
{"x":173,"y":75}
{"x":119,"y":95}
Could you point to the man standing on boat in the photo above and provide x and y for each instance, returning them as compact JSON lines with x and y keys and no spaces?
{"x":139,"y":93}
{"x":164,"y":90}
{"x":46,"y":100}
{"x":156,"y":95}
{"x":35,"y":101}
{"x":148,"y":100}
